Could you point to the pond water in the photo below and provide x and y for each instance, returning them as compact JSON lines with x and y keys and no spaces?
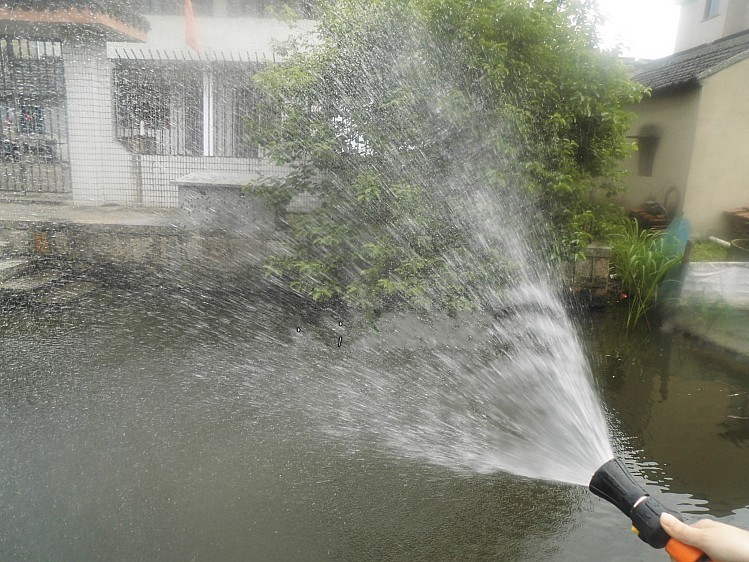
{"x":184,"y":427}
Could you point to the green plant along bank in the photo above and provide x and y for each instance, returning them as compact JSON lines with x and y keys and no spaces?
{"x":642,"y":260}
{"x":379,"y":115}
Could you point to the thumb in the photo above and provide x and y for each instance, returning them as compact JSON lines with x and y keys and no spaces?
{"x":679,"y":530}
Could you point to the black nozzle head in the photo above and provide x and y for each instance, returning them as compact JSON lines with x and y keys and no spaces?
{"x":615,"y":484}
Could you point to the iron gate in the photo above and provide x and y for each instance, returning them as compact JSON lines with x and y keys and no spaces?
{"x":33,"y":136}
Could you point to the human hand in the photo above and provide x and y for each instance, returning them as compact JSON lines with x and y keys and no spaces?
{"x":721,"y":542}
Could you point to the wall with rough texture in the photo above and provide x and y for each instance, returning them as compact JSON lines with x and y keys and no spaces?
{"x":719,"y":167}
{"x":673,"y":119}
{"x":589,"y":278}
{"x":199,"y":246}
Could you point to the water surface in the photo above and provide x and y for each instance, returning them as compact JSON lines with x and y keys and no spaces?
{"x":182,"y":427}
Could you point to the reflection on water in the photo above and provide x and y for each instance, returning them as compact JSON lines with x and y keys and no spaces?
{"x":156,"y":428}
{"x":680,"y":406}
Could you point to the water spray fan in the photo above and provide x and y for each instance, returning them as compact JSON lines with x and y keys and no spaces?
{"x":615,"y":484}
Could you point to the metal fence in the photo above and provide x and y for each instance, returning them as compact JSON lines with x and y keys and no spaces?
{"x":33,"y":136}
{"x":123,"y":123}
{"x":184,"y":108}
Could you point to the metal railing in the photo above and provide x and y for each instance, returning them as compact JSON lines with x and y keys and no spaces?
{"x":184,"y":108}
{"x":33,"y":135}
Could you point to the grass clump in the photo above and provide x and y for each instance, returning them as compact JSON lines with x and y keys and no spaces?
{"x":641,"y":259}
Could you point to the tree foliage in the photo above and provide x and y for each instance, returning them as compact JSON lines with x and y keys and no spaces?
{"x":403,"y":114}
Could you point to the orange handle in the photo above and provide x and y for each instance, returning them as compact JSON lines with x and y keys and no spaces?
{"x":684,"y":553}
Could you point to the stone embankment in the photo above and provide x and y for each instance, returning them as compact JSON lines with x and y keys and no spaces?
{"x":53,"y":252}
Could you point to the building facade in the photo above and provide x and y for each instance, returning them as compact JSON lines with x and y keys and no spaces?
{"x":693,"y":129}
{"x":131,"y":113}
{"x":705,"y":21}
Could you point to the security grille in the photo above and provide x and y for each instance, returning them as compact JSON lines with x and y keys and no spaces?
{"x":159,"y":109}
{"x":33,"y":136}
{"x":184,"y":109}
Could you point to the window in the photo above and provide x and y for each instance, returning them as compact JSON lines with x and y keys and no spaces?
{"x":31,"y":119}
{"x":233,"y":107}
{"x":646,"y":146}
{"x":647,"y":140}
{"x":159,"y":108}
{"x":267,"y":8}
{"x":185,"y":109}
{"x":159,"y":7}
{"x":711,"y":8}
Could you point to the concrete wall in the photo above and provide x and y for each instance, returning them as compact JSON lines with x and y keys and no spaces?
{"x":158,"y":173}
{"x":102,"y":170}
{"x":695,"y":30}
{"x":230,"y":37}
{"x":701,"y":165}
{"x":84,"y":246}
{"x":196,"y":248}
{"x":737,"y":17}
{"x":719,"y":168}
{"x":674,"y":119}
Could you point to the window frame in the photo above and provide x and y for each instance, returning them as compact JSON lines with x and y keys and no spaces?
{"x":647,"y":145}
{"x":712,"y":9}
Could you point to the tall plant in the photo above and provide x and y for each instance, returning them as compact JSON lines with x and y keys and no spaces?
{"x":642,"y":259}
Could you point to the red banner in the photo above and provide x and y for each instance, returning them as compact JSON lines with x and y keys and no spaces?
{"x":191,"y":28}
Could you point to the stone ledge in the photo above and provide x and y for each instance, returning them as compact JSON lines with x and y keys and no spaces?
{"x":208,"y":179}
{"x":216,"y":202}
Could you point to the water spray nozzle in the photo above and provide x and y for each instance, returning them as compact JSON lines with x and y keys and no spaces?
{"x":615,"y":484}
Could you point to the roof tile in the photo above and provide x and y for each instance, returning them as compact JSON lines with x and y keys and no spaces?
{"x":690,"y":66}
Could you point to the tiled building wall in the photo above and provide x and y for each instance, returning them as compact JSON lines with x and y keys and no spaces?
{"x":108,"y":170}
{"x":102,"y":170}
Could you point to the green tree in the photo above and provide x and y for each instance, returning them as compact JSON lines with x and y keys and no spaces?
{"x":411,"y":119}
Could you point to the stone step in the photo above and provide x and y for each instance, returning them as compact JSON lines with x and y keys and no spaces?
{"x":30,"y":284}
{"x":36,"y":198}
{"x":15,"y":242}
{"x":12,"y":268}
{"x":67,"y":293}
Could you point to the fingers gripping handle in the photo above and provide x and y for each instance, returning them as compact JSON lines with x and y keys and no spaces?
{"x":684,"y":553}
{"x":646,"y":519}
{"x":614,"y":483}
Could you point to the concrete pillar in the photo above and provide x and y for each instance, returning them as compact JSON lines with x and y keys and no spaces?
{"x":102,"y":171}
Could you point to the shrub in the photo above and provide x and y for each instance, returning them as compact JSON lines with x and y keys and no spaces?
{"x":641,"y":259}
